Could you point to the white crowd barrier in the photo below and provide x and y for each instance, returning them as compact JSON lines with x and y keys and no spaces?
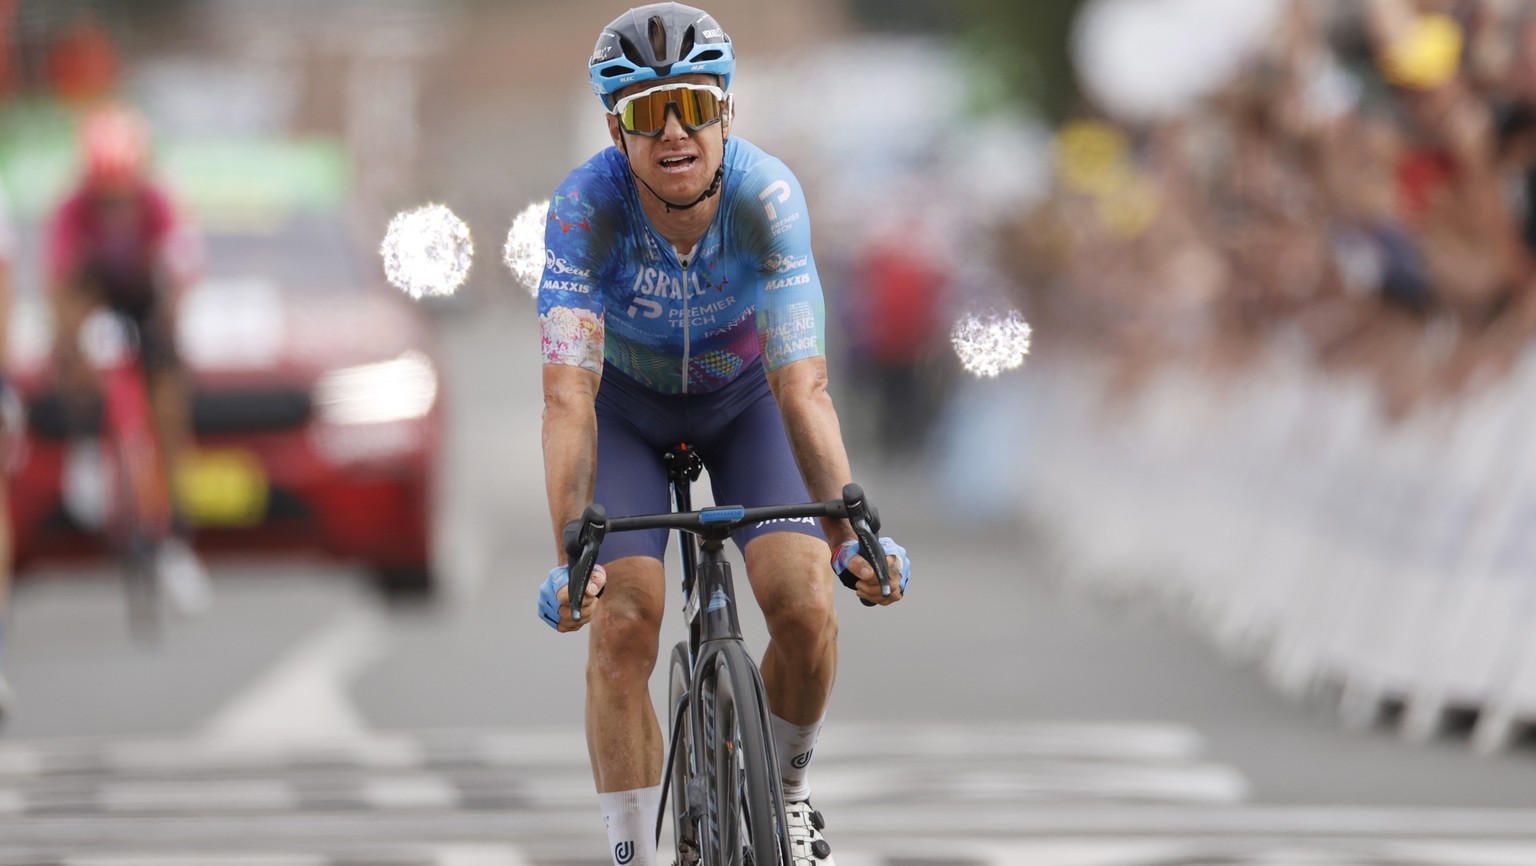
{"x":1393,"y":561}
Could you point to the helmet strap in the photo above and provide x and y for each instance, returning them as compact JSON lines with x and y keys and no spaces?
{"x":714,"y":185}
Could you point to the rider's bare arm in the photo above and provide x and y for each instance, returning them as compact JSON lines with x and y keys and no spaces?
{"x":570,"y":443}
{"x":810,"y":420}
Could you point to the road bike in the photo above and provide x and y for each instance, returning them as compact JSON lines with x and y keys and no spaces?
{"x":137,"y":509}
{"x":727,"y":804}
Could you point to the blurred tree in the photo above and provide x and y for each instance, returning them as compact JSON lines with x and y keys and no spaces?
{"x":1021,"y":50}
{"x":1027,"y":48}
{"x":906,"y":16}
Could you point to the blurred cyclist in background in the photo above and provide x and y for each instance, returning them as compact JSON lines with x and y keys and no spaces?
{"x":117,"y":241}
{"x":9,"y":421}
{"x":680,"y":302}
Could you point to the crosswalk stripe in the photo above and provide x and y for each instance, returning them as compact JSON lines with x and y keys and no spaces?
{"x":880,"y":824}
{"x":567,"y":747}
{"x":986,"y":794}
{"x":242,"y":795}
{"x":198,"y":860}
{"x":1066,"y":851}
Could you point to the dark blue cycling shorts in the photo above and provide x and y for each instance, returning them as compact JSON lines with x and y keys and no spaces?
{"x":737,"y":431}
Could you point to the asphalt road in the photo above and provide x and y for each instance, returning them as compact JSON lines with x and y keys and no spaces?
{"x":998,"y":715}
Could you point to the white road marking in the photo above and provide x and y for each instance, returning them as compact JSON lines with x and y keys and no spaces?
{"x":481,"y":855}
{"x":375,"y":751}
{"x":1042,"y":782}
{"x":1128,"y":741}
{"x":275,"y":859}
{"x":18,"y":760}
{"x":12,"y":802}
{"x":410,"y":792}
{"x":303,"y":697}
{"x":193,"y":797}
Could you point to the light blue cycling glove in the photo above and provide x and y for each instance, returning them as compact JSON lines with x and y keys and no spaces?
{"x":849,"y":549}
{"x":549,"y":602}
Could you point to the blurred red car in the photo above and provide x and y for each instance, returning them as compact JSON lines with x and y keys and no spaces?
{"x":317,"y":410}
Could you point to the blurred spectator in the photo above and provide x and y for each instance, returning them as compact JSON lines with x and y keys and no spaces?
{"x":7,"y":419}
{"x":82,"y":62}
{"x":1517,"y":167}
{"x":1363,"y":187}
{"x":895,"y":309}
{"x":8,"y":57}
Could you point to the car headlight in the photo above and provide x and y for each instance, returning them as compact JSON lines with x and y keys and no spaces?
{"x":396,"y":390}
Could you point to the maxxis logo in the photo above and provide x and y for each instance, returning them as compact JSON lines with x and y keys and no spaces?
{"x":623,"y":853}
{"x":801,"y":760}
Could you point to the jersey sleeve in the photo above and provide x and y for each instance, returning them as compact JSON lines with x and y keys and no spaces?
{"x":791,"y":312}
{"x":570,"y":301}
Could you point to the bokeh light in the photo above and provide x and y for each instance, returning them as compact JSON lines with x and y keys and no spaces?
{"x":524,"y":250}
{"x":991,"y":342}
{"x":427,"y":251}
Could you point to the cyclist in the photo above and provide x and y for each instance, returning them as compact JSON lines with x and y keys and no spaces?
{"x":8,"y":420}
{"x":117,"y":241}
{"x":680,"y":303}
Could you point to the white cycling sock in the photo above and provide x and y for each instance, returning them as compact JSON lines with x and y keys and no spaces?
{"x":794,"y":743}
{"x":631,"y":820}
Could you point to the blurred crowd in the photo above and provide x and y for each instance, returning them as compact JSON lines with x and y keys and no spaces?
{"x":1361,"y":192}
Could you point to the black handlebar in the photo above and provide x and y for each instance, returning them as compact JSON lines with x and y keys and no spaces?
{"x":584,"y":536}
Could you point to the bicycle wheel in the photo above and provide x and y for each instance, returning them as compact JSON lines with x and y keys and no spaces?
{"x":142,"y":586}
{"x":134,"y":545}
{"x":685,"y":830}
{"x":745,"y":819}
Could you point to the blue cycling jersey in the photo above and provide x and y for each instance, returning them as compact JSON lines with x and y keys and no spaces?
{"x":614,"y":289}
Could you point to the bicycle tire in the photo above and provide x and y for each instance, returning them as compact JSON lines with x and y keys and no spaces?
{"x":685,"y":832}
{"x":142,"y":586}
{"x":136,"y":546}
{"x":745,"y":816}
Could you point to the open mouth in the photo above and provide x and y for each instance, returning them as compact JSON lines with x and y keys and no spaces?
{"x":678,"y":163}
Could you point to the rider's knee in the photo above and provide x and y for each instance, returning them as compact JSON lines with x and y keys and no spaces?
{"x":803,"y":616}
{"x":625,"y":640}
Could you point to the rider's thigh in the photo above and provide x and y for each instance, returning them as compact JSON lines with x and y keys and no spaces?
{"x":793,"y":584}
{"x":627,"y":625}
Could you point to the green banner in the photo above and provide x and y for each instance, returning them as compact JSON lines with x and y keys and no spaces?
{"x":222,"y":181}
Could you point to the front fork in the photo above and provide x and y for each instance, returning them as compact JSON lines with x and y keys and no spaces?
{"x":690,"y":802}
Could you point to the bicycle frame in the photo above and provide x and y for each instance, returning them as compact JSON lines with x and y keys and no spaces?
{"x":714,"y":630}
{"x":683,"y":468}
{"x":128,"y":435}
{"x":139,"y":512}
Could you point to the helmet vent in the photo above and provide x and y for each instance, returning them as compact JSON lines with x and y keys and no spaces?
{"x":682,"y":53}
{"x":631,"y":53}
{"x":658,"y":34}
{"x":703,"y":56}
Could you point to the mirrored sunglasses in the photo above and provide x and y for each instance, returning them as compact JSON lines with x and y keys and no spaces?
{"x":645,"y":113}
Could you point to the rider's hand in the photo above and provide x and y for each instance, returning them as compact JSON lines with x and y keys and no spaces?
{"x":858,"y":575}
{"x":555,"y":601}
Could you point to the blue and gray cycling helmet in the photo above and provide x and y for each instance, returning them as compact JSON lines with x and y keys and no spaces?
{"x":658,"y":41}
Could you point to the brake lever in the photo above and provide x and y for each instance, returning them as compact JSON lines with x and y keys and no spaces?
{"x":866,"y":524}
{"x":582,"y":539}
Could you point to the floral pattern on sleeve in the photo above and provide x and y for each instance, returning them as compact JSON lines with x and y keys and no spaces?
{"x":573,"y":337}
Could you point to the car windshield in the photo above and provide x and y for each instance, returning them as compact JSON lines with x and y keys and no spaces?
{"x":310,"y":252}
